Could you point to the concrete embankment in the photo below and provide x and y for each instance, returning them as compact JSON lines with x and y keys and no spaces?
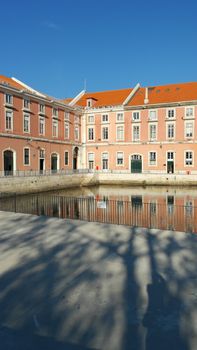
{"x":41,"y":183}
{"x":76,"y":285}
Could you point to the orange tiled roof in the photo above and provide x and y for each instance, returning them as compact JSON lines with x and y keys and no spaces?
{"x":10,"y":82}
{"x":105,"y":98}
{"x":67,"y":100}
{"x":166,"y":94}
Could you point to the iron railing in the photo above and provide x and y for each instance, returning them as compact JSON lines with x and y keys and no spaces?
{"x":150,"y":215}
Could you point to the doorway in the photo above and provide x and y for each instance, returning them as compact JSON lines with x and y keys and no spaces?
{"x":170,"y":162}
{"x":75,"y":158}
{"x":54,"y":162}
{"x":136,"y":163}
{"x":8,"y":162}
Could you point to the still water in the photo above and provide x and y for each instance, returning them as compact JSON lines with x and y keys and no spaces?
{"x":171,"y":208}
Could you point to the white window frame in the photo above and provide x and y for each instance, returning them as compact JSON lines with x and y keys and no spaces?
{"x":66,"y":151}
{"x":135,"y":126}
{"x":104,"y":139}
{"x":55,"y":112}
{"x":42,"y":108}
{"x":24,"y":156}
{"x":10,"y":98}
{"x":150,"y":136}
{"x":189,"y":116}
{"x":104,"y":117}
{"x":103,"y":159}
{"x":168,"y":111}
{"x":66,"y":127}
{"x":41,"y":122}
{"x":118,"y":138}
{"x":136,"y":119}
{"x":11,"y":119}
{"x":185,"y":129}
{"x":149,"y":158}
{"x":90,"y":119}
{"x":92,"y":161}
{"x":26,"y":104}
{"x":26,"y":115}
{"x":54,"y":123}
{"x":91,"y":128}
{"x":120,"y":158}
{"x":67,"y":117}
{"x":118,"y":119}
{"x":188,"y":159}
{"x":76,"y":131}
{"x":167,"y":127}
{"x":156,"y":114}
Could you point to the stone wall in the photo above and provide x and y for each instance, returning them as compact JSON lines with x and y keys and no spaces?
{"x":53,"y":182}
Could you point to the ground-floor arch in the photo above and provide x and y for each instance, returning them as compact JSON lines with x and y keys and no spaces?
{"x":75,"y":158}
{"x":54,"y":162}
{"x":9,"y":161}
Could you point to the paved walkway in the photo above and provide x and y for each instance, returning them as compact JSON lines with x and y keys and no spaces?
{"x":76,"y":285}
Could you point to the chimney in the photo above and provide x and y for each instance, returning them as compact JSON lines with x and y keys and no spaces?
{"x":146,"y":100}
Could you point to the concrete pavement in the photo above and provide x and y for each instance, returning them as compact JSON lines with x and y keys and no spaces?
{"x":77,"y":285}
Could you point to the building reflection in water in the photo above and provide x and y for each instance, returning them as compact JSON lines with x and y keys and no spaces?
{"x":160,"y":207}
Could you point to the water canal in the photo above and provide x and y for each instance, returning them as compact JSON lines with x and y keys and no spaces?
{"x":163,"y":207}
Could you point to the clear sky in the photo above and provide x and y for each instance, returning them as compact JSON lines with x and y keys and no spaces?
{"x":54,"y":46}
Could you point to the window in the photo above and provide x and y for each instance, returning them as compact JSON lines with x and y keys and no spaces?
{"x":120,"y":133}
{"x":189,"y":129}
{"x":91,"y":119}
{"x":105,"y":161}
{"x":76,"y":119}
{"x":170,"y":131}
{"x":189,"y":158}
{"x":26,"y":123}
{"x":136,"y":116}
{"x":26,"y":103}
{"x":90,"y":160}
{"x":42,"y":108}
{"x":55,"y":128}
{"x":189,"y":112}
{"x":42,"y":153}
{"x":66,"y":130}
{"x":120,"y":158}
{"x":105,"y":133}
{"x":26,"y":156}
{"x":153,"y":115}
{"x":136,"y":132}
{"x":189,"y":208}
{"x":41,"y":125}
{"x":120,"y":117}
{"x":55,"y":112}
{"x":9,"y":99}
{"x":9,"y":120}
{"x":76,"y":132}
{"x":152,"y":158}
{"x":170,"y":155}
{"x":66,"y":159}
{"x":153,"y":131}
{"x":67,"y":116}
{"x":105,"y":118}
{"x":89,"y":102}
{"x":171,"y":113}
{"x":90,"y":133}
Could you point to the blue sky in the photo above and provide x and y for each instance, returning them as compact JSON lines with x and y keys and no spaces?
{"x":55,"y":45}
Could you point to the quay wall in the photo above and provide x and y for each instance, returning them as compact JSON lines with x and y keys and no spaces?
{"x":32,"y":184}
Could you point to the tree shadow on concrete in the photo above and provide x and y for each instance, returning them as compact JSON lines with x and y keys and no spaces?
{"x":77,"y":285}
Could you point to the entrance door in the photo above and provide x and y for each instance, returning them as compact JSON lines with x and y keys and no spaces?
{"x":54,"y":163}
{"x":75,"y":158}
{"x":8,"y":163}
{"x":170,"y":162}
{"x":136,"y":163}
{"x":41,"y":162}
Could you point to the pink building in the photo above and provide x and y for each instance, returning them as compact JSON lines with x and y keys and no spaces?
{"x":37,"y":132}
{"x":148,"y":130}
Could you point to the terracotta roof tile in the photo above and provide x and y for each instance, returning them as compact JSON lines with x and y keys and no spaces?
{"x":105,"y":98}
{"x":10,"y":82}
{"x":166,"y":94}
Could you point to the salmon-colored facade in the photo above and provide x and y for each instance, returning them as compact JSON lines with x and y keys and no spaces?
{"x":139,"y":130}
